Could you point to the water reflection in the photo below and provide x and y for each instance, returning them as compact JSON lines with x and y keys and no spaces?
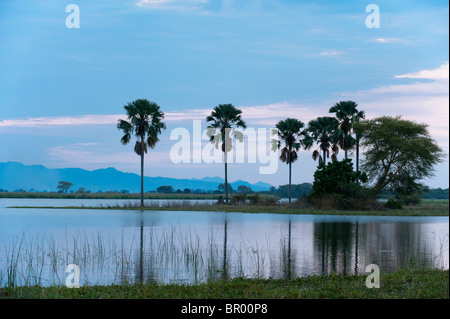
{"x":337,"y":247}
{"x":187,"y":247}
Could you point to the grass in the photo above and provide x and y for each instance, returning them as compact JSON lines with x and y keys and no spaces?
{"x":408,"y":283}
{"x":425,"y":209}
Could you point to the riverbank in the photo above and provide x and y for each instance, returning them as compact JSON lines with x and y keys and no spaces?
{"x":426,"y":209}
{"x":108,"y":195}
{"x":407,"y":283}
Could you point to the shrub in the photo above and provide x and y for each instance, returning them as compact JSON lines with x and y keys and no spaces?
{"x":412,"y":199}
{"x":336,"y":187}
{"x":238,"y":199}
{"x":393,"y":204}
{"x":269,"y":200}
{"x":339,"y":201}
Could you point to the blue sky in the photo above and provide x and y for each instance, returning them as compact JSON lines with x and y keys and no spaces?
{"x":62,"y":90}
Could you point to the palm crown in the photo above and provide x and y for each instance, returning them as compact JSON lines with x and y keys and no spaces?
{"x":347,"y":114}
{"x":325,"y":131}
{"x":145,"y":122}
{"x":224,"y":119}
{"x":291,"y":134}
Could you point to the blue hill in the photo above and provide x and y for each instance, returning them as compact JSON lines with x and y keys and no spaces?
{"x":16,"y":176}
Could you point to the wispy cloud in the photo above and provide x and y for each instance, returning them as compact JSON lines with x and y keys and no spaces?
{"x":330,"y":53}
{"x":172,"y":4}
{"x":441,"y":73}
{"x":389,"y":40}
{"x":86,"y":154}
{"x":62,"y":120}
{"x":424,"y":102}
{"x":94,"y":119}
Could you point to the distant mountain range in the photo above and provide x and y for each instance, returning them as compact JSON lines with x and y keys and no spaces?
{"x":15,"y":176}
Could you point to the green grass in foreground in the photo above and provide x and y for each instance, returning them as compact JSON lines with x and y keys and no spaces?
{"x":405,"y":283}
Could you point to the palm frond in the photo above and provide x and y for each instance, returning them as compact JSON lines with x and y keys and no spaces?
{"x":315,"y":155}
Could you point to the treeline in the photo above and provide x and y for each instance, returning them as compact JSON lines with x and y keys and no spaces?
{"x":432,"y":193}
{"x":282,"y":191}
{"x":436,"y":193}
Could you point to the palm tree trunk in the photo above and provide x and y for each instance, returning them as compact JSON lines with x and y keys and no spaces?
{"x":290,"y":181}
{"x":357,"y":156}
{"x":142,"y":171}
{"x":324,"y":157}
{"x":345,"y":144}
{"x":226,"y":179}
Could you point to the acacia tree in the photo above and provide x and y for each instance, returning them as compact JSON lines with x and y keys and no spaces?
{"x":225,"y":119}
{"x":398,"y":153}
{"x":291,"y":133}
{"x":63,"y":186}
{"x":144,"y":122}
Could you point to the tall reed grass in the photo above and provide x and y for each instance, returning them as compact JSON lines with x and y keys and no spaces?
{"x":162,"y":256}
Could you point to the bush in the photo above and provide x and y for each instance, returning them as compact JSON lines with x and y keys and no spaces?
{"x":339,"y":201}
{"x":255,"y":199}
{"x":393,"y":204}
{"x":337,"y":177}
{"x":238,"y":199}
{"x":336,"y":187}
{"x":413,"y":199}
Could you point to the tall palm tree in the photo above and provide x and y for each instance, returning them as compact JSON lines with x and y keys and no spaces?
{"x":144,"y":122}
{"x":347,"y":114}
{"x":291,"y":133}
{"x":325,"y":131}
{"x":225,"y":119}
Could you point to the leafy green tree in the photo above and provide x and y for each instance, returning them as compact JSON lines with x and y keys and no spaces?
{"x":227,"y":190}
{"x":64,"y":186}
{"x":398,"y":153}
{"x":325,"y":131}
{"x":293,"y":136}
{"x":144,"y":122}
{"x":335,"y":178}
{"x":224,"y":120}
{"x":165,"y":189}
{"x":244,"y":189}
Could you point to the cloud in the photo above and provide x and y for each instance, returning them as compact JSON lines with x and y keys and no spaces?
{"x":423,"y":102}
{"x":330,"y":53}
{"x":62,"y":120}
{"x":438,"y":74}
{"x":389,"y":40}
{"x":108,"y":119}
{"x":171,"y":4}
{"x":86,"y":154}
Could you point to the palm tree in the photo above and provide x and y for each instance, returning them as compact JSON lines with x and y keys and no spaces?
{"x":325,"y":131}
{"x":225,"y":119}
{"x":347,"y":114}
{"x":290,"y":132}
{"x":144,"y":122}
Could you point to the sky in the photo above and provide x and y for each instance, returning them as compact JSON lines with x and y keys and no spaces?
{"x":62,"y":90}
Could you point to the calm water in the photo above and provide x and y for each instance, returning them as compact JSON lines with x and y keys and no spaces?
{"x":113,"y":246}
